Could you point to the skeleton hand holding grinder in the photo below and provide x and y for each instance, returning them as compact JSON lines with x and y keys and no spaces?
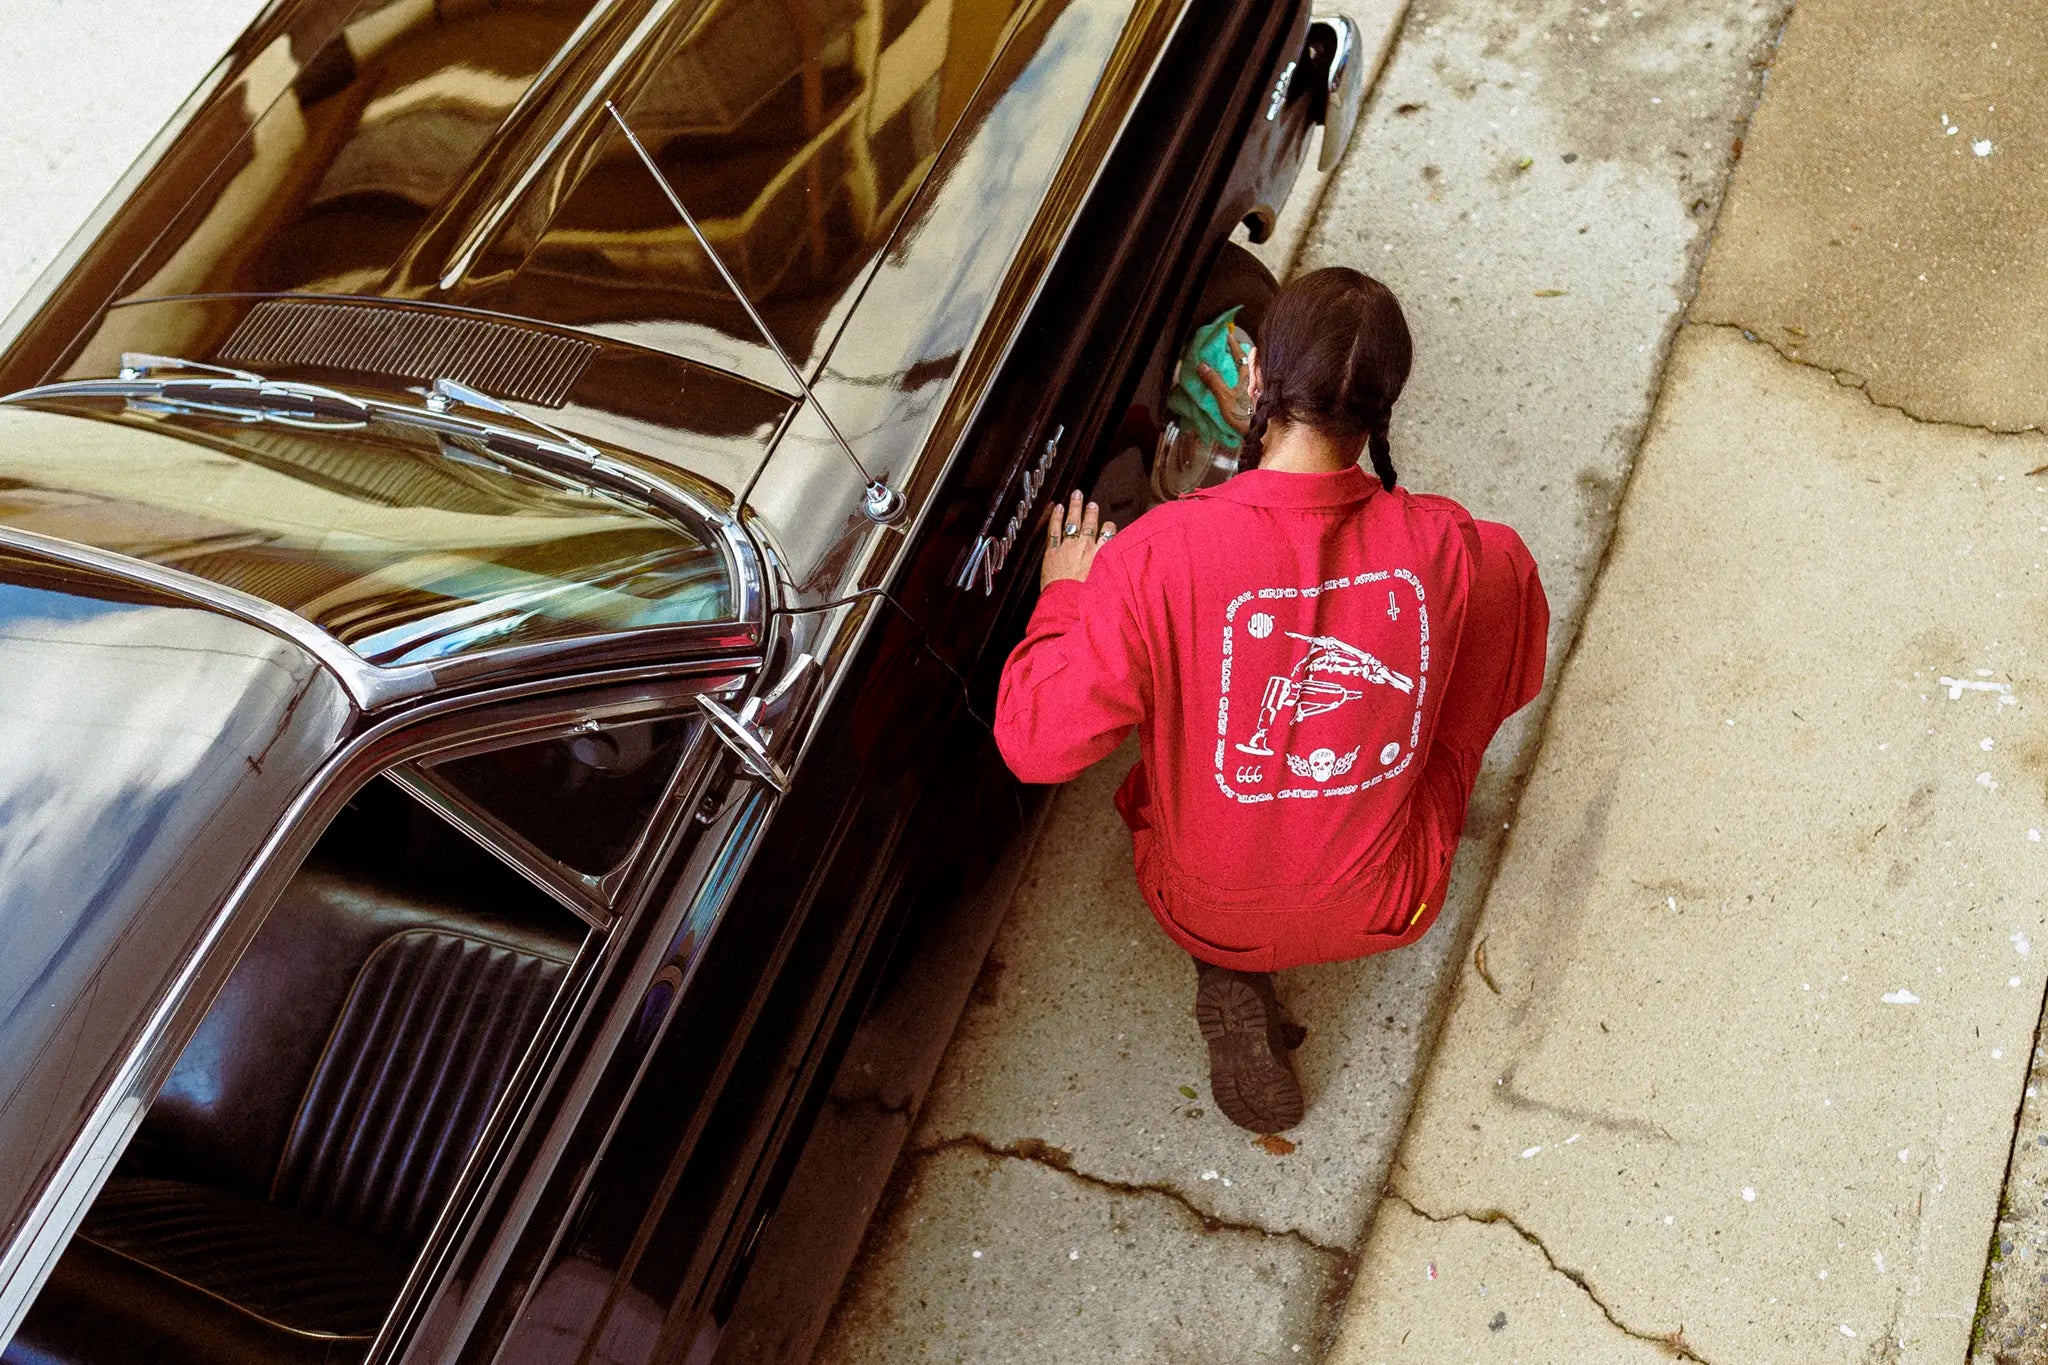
{"x":1312,"y":687}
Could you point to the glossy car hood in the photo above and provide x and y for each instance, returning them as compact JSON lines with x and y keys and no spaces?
{"x":888,"y":181}
{"x":462,"y":154}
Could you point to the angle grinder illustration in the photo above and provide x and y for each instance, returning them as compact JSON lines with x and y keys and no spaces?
{"x":1314,"y":687}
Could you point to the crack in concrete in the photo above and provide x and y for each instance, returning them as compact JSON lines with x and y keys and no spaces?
{"x":1849,"y":379}
{"x":1673,"y":1343}
{"x":1040,"y":1153}
{"x":1510,"y":1094}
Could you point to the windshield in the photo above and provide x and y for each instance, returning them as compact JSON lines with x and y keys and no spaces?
{"x":405,"y":545}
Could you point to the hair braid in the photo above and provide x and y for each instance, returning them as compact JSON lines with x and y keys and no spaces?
{"x":1373,"y":406}
{"x":1382,"y":457}
{"x":1253,"y":448}
{"x":1334,"y":355}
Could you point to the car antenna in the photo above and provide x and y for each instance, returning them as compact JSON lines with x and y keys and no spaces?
{"x":882,"y":503}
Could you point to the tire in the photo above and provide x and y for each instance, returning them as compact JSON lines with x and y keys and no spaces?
{"x":1238,"y":279}
{"x":1181,"y":462}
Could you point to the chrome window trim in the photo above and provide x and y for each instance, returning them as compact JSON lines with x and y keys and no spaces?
{"x":26,"y":1261}
{"x":591,"y":898}
{"x":709,"y":874}
{"x":357,"y":677}
{"x":705,"y":888}
{"x":479,"y":231}
{"x":568,"y":890}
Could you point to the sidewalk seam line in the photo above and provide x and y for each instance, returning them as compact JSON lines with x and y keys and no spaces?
{"x":1850,"y":379}
{"x":2000,"y":1211}
{"x":1052,"y":1158}
{"x":1673,"y":1342}
{"x":1443,"y":1000}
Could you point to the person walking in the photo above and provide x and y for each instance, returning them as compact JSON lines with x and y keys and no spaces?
{"x":1315,"y":660}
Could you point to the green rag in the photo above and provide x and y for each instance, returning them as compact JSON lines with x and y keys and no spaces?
{"x":1191,"y":400}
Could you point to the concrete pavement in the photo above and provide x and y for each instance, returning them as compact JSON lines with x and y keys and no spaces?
{"x":1747,"y":1089}
{"x":84,"y":87}
{"x":1761,"y":994}
{"x":1508,"y":153}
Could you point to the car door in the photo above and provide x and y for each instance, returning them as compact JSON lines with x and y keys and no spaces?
{"x":1102,"y":334}
{"x":655,"y":1234}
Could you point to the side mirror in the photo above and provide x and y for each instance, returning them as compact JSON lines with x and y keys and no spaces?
{"x":1345,"y":84}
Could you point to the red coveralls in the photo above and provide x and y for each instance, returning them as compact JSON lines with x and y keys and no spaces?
{"x":1315,"y":667}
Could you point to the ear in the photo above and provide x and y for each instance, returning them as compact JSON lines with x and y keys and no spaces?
{"x":1254,"y":378}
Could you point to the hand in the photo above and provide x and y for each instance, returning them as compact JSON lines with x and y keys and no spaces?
{"x":1072,"y":555}
{"x":1234,"y":403}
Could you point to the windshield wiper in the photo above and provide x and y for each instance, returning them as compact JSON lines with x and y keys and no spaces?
{"x":446,"y":392}
{"x":240,"y":395}
{"x":299,"y":405}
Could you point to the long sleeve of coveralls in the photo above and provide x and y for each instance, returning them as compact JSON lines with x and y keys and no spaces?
{"x":1314,"y":667}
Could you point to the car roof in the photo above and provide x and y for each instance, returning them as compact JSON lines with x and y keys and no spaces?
{"x":148,"y":748}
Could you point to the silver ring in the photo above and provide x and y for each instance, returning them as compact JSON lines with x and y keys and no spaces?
{"x":1103,"y":539}
{"x":1073,"y":528}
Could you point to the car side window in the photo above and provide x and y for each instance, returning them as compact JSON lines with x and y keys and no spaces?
{"x":582,"y":799}
{"x":292,"y":1168}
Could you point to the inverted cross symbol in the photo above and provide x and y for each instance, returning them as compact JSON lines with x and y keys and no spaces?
{"x":1393,"y":611}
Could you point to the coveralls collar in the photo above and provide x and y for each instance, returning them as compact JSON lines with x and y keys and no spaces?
{"x":1273,"y":488}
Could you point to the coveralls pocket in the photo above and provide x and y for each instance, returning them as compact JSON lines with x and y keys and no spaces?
{"x":1262,"y":959}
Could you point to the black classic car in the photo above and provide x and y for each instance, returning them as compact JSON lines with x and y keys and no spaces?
{"x":509,"y":520}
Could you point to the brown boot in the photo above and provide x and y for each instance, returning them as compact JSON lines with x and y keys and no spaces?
{"x":1250,"y":1074}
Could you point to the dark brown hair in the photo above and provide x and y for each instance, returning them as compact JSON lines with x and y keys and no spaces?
{"x":1333,"y":354}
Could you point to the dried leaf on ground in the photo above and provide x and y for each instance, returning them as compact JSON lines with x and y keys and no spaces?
{"x":1277,"y":1145}
{"x":1189,"y":1091}
{"x":1479,"y":965}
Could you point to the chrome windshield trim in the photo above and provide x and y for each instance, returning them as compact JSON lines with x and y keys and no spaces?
{"x":555,"y":452}
{"x":367,"y":685}
{"x":713,"y":645}
{"x":373,"y":687}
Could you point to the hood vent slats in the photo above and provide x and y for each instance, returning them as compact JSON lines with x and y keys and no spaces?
{"x":502,"y":359}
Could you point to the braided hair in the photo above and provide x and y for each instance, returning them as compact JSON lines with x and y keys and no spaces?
{"x":1334,"y":354}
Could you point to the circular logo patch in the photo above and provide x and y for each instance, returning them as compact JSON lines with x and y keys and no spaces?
{"x":1261,"y":625}
{"x":1389,"y":754}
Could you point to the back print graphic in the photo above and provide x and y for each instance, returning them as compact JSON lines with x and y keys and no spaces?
{"x":1322,"y":687}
